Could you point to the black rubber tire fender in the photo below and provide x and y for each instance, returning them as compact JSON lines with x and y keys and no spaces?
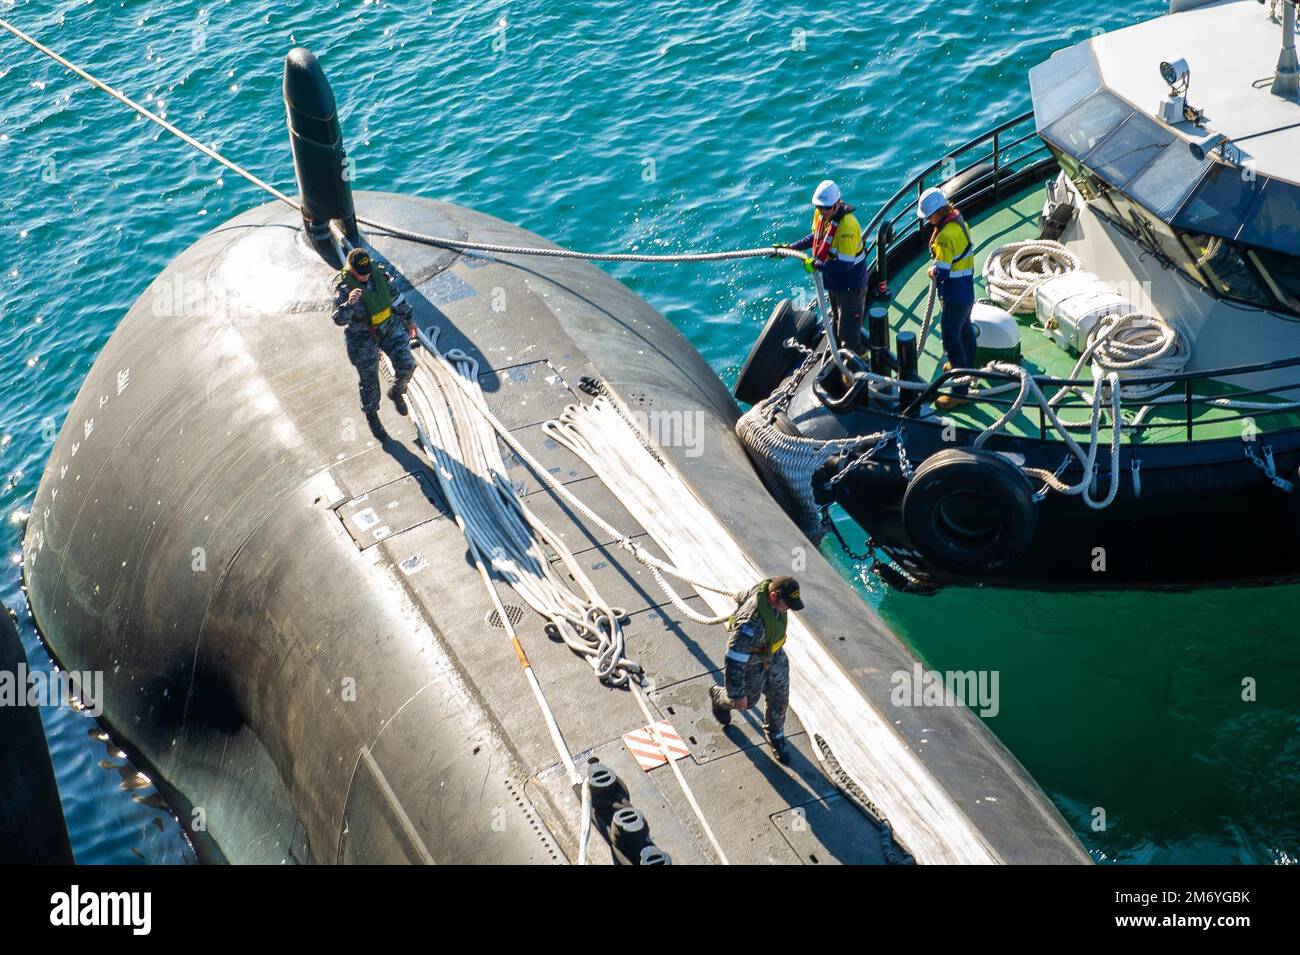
{"x":769,"y":360}
{"x":997,"y":488}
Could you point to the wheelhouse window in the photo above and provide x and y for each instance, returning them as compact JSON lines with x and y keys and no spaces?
{"x":1164,"y":184}
{"x":1134,"y":145}
{"x":1281,"y":273}
{"x":1274,"y":223}
{"x":1227,"y":269}
{"x":1079,"y":131}
{"x":1220,"y":204}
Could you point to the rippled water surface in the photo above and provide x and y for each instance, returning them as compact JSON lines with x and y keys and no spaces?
{"x":657,"y":126}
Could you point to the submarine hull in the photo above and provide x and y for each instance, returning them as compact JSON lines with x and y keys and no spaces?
{"x":292,"y":635}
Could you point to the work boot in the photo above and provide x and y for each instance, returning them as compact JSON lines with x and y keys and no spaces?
{"x":717,"y":699}
{"x":949,"y":402}
{"x":399,"y":400}
{"x":376,"y":426}
{"x":781,"y":750}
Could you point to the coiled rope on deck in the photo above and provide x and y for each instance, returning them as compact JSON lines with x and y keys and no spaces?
{"x":1134,"y":346}
{"x":1013,"y":272}
{"x":463,"y":445}
{"x":460,"y":434}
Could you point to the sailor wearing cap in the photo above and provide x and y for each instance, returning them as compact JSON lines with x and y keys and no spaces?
{"x":756,"y":663}
{"x":366,"y":302}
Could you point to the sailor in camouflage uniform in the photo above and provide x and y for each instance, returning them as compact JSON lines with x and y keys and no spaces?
{"x":756,"y":664}
{"x":376,"y":315}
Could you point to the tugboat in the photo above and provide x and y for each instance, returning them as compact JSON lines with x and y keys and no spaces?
{"x":1134,"y":419}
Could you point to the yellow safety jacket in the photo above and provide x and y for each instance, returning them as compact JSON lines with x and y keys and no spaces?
{"x":952,"y":248}
{"x":954,"y":259}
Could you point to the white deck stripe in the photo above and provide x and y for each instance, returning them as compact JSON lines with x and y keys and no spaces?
{"x":826,"y":700}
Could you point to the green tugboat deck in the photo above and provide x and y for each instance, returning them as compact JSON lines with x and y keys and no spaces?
{"x":1016,"y":219}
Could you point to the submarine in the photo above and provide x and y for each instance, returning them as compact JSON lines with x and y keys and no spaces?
{"x":294,"y":629}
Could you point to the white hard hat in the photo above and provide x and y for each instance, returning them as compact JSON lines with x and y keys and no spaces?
{"x":932,"y":200}
{"x":826,"y":194}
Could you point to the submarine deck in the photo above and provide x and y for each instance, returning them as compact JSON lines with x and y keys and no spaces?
{"x":761,"y":811}
{"x":1015,"y":219}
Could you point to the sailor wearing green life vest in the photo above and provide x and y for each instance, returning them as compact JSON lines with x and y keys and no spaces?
{"x":756,"y":663}
{"x":376,"y":316}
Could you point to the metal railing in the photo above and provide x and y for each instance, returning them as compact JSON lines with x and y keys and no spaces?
{"x":1010,"y":150}
{"x":1009,"y":156}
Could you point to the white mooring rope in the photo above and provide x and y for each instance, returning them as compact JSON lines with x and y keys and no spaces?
{"x":460,"y":435}
{"x":1013,"y":273}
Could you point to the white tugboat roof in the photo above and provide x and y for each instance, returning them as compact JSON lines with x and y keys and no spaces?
{"x":1232,"y":50}
{"x":1098,"y":103}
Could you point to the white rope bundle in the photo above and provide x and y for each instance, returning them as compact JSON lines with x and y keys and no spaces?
{"x":828,"y":703}
{"x":608,"y":451}
{"x":1013,"y":272}
{"x":1087,"y":460}
{"x":1133,"y":346}
{"x":462,"y":443}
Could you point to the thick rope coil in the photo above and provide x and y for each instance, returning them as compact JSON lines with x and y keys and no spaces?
{"x":1013,"y":273}
{"x":1133,"y":346}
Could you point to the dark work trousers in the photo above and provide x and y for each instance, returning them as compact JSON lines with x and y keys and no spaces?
{"x":958,"y":335}
{"x":846,"y":314}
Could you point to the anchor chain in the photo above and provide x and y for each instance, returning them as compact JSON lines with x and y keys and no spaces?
{"x":1265,"y":463}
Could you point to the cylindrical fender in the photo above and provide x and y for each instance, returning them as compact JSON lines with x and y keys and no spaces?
{"x":770,"y":360}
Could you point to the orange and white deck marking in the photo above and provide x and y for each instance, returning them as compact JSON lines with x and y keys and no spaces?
{"x":641,"y":744}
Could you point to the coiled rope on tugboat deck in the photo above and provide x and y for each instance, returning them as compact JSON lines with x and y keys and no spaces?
{"x":1013,"y":272}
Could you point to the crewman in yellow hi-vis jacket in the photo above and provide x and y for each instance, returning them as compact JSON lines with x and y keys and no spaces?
{"x":839,"y":255}
{"x":954,"y":273}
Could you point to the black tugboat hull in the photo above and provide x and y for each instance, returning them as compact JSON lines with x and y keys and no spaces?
{"x":1195,"y":513}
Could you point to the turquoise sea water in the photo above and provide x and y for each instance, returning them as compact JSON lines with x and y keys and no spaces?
{"x":660,"y":126}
